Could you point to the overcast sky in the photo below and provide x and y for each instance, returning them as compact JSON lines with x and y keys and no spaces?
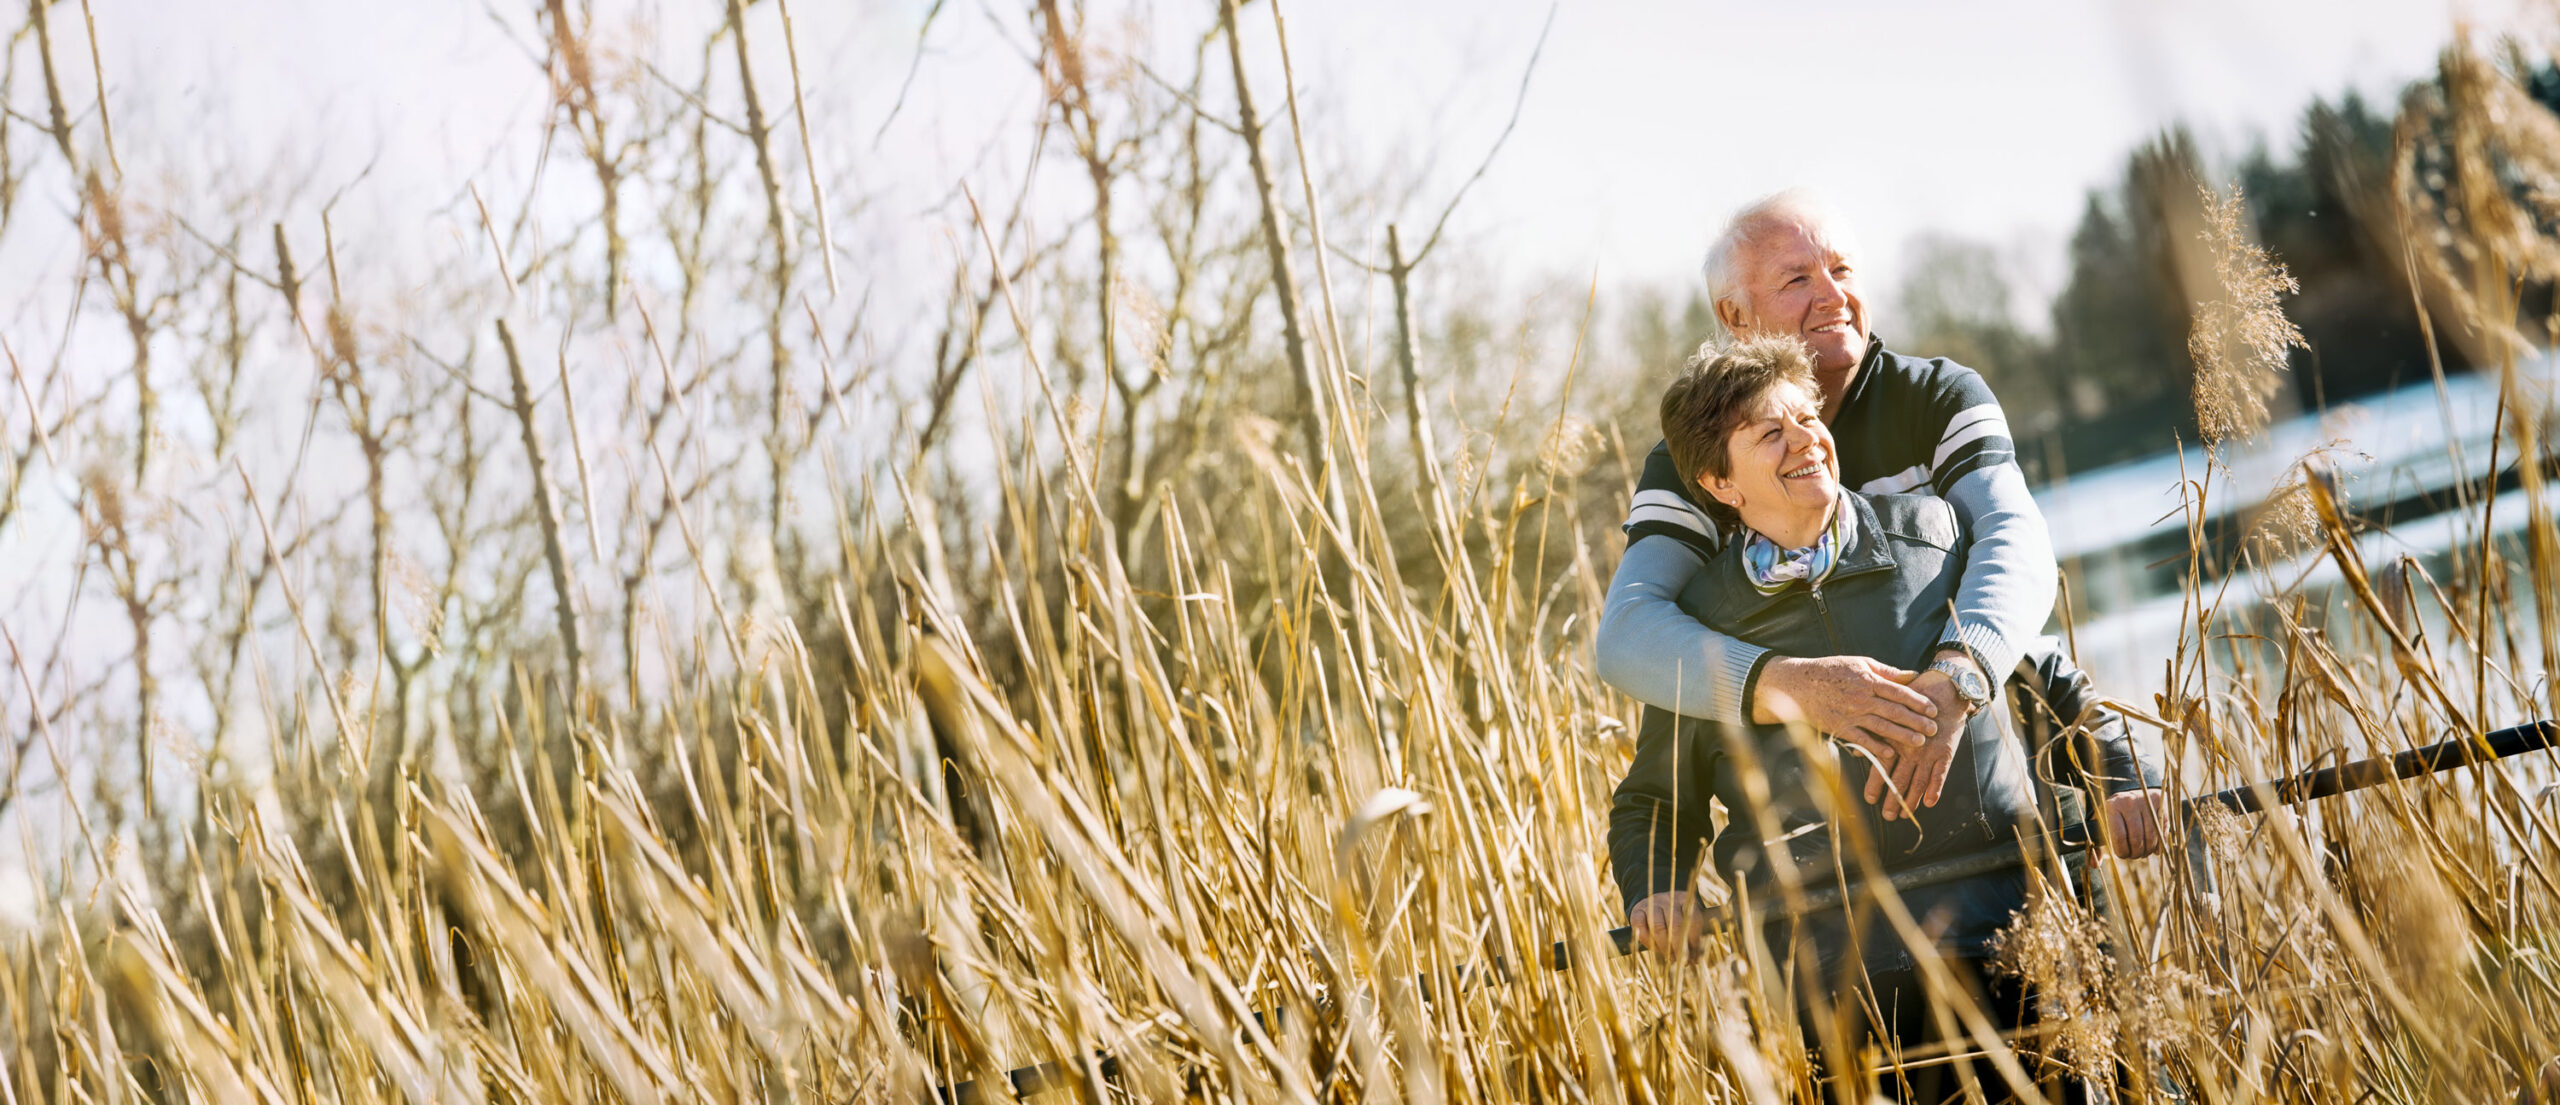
{"x":1989,"y":118}
{"x":1646,"y":121}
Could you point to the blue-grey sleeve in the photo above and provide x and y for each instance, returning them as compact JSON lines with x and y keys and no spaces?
{"x":2009,"y":575}
{"x":1654,"y":652}
{"x":1664,"y":507}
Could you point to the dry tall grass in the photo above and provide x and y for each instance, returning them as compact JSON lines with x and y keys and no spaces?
{"x":1185,"y":746}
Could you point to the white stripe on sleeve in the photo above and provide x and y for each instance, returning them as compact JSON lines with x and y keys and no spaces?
{"x":1898,"y":482}
{"x":1667,"y":500}
{"x":1971,"y":415}
{"x":1678,"y":516}
{"x":1969,"y":432}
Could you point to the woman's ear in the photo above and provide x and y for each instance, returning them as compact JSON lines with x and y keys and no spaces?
{"x":1721,"y":490}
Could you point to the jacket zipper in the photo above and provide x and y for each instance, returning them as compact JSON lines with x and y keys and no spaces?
{"x":1822,"y":610}
{"x":1871,"y":815}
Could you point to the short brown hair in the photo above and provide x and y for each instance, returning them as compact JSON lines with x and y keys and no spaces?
{"x":1715,"y":392}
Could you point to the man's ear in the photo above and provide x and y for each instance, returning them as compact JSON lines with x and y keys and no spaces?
{"x":1730,"y":314}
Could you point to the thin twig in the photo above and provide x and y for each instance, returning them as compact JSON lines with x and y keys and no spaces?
{"x":1187,"y":100}
{"x":808,"y":150}
{"x":35,"y":411}
{"x":348,"y":734}
{"x":53,"y":749}
{"x":578,"y":454}
{"x":914,"y":63}
{"x":694,"y":101}
{"x":98,"y":69}
{"x":1519,"y":100}
{"x":546,"y":515}
{"x":504,"y":272}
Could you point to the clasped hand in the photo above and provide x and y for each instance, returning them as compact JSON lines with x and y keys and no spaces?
{"x":1907,"y":723}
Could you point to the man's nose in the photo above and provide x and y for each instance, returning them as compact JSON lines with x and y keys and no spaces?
{"x":1827,"y":289}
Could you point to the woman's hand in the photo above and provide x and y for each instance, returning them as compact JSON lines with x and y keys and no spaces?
{"x":1671,"y":922}
{"x":2133,"y":822}
{"x":1850,"y":697}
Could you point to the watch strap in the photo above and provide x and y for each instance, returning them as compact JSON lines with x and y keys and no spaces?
{"x":1968,"y":681}
{"x":1957,"y":646}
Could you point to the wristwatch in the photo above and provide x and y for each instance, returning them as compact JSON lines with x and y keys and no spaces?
{"x":1968,"y":682}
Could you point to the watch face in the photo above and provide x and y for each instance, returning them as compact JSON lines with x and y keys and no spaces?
{"x":1969,"y":685}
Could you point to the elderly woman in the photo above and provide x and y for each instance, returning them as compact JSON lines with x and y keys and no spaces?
{"x":1828,"y":572}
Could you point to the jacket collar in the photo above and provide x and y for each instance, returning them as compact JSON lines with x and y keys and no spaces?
{"x":1867,"y":551}
{"x":1870,"y":365}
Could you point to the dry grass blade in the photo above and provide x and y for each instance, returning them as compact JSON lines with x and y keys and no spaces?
{"x":510,"y":921}
{"x":1164,"y":725}
{"x":144,"y":975}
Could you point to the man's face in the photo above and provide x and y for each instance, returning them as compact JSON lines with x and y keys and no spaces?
{"x":1795,"y":281}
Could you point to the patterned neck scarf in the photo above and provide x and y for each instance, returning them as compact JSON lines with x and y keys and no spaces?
{"x":1770,"y":568}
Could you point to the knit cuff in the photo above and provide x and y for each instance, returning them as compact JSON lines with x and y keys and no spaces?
{"x":1988,"y":647}
{"x":1743,"y":664}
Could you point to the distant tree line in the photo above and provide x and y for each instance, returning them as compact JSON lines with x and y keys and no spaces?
{"x":2113,"y":376}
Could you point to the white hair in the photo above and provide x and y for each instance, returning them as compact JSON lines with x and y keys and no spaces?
{"x":1793,"y":207}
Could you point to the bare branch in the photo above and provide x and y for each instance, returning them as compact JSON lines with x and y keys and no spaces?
{"x":809,"y":151}
{"x":1188,"y":101}
{"x":914,"y":63}
{"x":691,"y":99}
{"x":494,"y":244}
{"x":35,"y":411}
{"x":578,"y":453}
{"x":1518,"y":100}
{"x":546,"y":515}
{"x":58,"y":121}
{"x":98,"y":69}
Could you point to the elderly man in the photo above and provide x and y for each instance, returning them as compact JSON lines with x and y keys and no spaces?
{"x":1782,"y":267}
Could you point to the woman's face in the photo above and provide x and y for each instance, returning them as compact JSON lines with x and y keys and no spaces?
{"x":1784,"y":473}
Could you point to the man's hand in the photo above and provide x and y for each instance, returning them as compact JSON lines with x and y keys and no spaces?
{"x":1881,"y":756}
{"x":1920,"y":775}
{"x":2133,"y":822}
{"x":1671,"y":922}
{"x":1845,"y":696}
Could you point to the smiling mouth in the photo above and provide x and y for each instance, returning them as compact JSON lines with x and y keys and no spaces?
{"x":1841,"y":327}
{"x":1807,"y":472}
